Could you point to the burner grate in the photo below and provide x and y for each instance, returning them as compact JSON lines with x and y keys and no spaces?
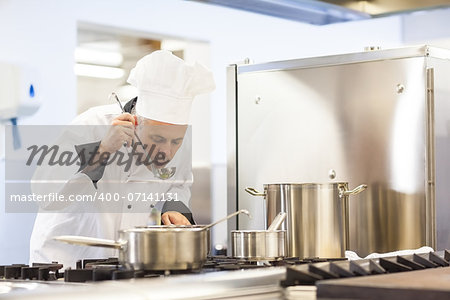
{"x":38,"y":271}
{"x":316,"y":270}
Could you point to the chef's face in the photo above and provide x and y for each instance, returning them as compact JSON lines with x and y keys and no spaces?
{"x":166,"y":138}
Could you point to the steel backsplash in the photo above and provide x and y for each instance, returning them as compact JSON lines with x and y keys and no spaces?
{"x":368,"y":121}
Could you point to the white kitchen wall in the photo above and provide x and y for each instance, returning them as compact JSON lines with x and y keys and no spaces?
{"x":42,"y":34}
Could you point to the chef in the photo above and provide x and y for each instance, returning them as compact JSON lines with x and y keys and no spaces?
{"x":132,"y":163}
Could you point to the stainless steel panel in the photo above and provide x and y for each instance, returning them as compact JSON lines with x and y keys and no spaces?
{"x":366,"y":121}
{"x":441,"y":94}
{"x":430,"y":158}
{"x":231,"y":150}
{"x":359,"y":57}
{"x":201,"y":194}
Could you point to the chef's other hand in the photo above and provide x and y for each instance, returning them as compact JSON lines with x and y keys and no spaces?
{"x":121,"y":132}
{"x":175,"y":218}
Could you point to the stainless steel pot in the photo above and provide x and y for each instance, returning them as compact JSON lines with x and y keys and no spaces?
{"x":317,"y":216}
{"x":258,"y":244}
{"x":155,"y":247}
{"x":167,"y":247}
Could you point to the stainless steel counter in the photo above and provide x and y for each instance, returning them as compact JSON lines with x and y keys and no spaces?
{"x":248,"y":284}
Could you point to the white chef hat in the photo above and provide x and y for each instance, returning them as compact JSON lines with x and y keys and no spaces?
{"x":167,"y":86}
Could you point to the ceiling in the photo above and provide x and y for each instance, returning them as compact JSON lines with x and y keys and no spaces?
{"x":328,"y":11}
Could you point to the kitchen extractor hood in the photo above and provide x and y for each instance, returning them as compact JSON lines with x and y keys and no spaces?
{"x":383,"y":7}
{"x":328,"y":11}
{"x":307,"y":11}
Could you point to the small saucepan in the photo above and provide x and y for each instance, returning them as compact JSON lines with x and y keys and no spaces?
{"x":260,"y":245}
{"x":167,"y":247}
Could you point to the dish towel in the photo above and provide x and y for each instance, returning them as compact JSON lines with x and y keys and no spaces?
{"x":350,"y":255}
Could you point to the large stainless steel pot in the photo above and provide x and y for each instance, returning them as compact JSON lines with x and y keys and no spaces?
{"x":167,"y":247}
{"x":317,"y":216}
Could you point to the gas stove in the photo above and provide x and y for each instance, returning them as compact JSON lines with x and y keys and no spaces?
{"x":229,"y":278}
{"x":88,"y":270}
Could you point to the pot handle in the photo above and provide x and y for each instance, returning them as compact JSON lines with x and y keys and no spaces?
{"x":355,"y":191}
{"x":254,"y":192}
{"x":89,"y":241}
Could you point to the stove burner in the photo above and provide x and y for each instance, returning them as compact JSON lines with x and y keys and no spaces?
{"x":299,"y":261}
{"x":127,"y":274}
{"x":78,"y":275}
{"x":90,"y":263}
{"x":38,"y":271}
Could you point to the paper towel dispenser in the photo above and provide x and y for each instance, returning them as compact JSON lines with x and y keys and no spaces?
{"x":20,"y":93}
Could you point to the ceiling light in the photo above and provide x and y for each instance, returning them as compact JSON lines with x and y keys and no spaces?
{"x":98,"y":71}
{"x":173,"y":45}
{"x":98,"y":57}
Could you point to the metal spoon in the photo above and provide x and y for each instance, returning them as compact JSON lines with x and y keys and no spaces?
{"x":161,"y":173}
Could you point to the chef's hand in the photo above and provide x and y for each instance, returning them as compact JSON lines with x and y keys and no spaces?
{"x":121,"y":132}
{"x":175,"y":218}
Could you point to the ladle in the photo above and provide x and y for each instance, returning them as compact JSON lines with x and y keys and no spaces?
{"x":161,"y":173}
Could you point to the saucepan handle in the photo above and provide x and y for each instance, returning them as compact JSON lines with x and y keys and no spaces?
{"x":277,"y":221}
{"x":254,"y":192}
{"x":89,"y":241}
{"x":355,"y":191}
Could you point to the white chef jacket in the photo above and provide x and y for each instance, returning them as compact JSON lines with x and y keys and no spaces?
{"x":79,"y":218}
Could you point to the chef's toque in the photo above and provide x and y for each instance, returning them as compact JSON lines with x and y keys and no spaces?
{"x":167,"y":86}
